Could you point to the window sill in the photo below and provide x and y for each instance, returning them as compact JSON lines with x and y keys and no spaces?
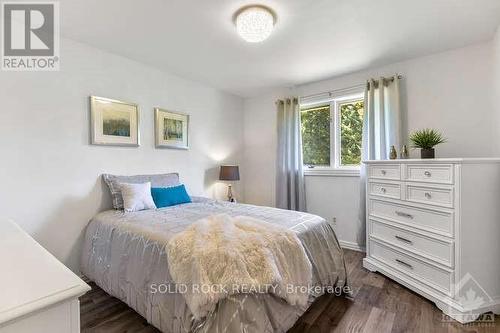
{"x":332,"y":172}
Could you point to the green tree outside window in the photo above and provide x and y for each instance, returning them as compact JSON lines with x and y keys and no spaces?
{"x":351,"y":130}
{"x":315,"y":126}
{"x":317,"y":134}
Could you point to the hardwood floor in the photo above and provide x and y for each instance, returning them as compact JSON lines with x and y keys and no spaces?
{"x":378,"y":305}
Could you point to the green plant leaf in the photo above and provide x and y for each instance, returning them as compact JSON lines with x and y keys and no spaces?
{"x":426,"y":138}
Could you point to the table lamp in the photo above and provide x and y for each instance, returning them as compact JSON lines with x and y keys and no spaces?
{"x":229,"y":173}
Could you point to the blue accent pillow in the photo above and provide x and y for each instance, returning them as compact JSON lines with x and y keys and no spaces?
{"x":169,"y":196}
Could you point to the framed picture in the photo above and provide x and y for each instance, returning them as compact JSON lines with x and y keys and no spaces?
{"x":113,"y":123}
{"x":171,"y":129}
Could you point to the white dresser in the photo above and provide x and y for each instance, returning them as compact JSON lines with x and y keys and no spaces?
{"x":37,"y":292}
{"x":434,"y":226}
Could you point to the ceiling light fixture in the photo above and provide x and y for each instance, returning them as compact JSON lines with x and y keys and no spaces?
{"x":254,"y":23}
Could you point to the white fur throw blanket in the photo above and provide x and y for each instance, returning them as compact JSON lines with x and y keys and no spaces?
{"x":220,"y":255}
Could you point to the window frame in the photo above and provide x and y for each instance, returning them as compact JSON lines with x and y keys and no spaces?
{"x":335,"y":168}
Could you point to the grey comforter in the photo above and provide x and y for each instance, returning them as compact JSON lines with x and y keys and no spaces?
{"x":124,"y":253}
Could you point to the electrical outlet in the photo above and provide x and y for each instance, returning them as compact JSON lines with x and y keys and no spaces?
{"x":334,"y":220}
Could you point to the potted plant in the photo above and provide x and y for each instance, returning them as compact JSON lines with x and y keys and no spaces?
{"x":426,"y":139}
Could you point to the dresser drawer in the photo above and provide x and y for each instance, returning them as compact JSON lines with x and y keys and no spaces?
{"x":385,"y":171}
{"x":439,"y":173}
{"x":388,"y":190}
{"x":439,"y":196}
{"x":426,"y":219}
{"x":433,"y":276}
{"x":439,"y":250}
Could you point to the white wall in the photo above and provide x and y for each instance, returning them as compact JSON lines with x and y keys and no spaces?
{"x":259,"y":166}
{"x":49,"y":175}
{"x":336,"y":197}
{"x":496,"y":86}
{"x":449,"y":91}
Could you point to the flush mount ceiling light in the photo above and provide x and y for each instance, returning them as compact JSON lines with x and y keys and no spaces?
{"x":254,"y":23}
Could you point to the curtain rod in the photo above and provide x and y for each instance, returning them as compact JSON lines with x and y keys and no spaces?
{"x":390,"y":78}
{"x":288,"y":100}
{"x":361,"y":85}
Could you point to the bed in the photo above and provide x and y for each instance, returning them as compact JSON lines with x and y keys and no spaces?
{"x":124,"y":254}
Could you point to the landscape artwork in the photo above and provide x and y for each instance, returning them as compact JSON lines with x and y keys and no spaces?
{"x":114,"y":122}
{"x":171,"y":129}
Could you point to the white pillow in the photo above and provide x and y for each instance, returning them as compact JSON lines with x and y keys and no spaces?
{"x":137,"y":197}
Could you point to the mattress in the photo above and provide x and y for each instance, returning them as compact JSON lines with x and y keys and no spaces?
{"x":124,"y":254}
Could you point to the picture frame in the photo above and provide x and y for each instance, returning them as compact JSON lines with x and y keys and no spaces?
{"x":171,"y":129}
{"x":114,"y":122}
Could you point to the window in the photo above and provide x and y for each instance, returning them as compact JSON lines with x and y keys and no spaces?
{"x":331,"y":133}
{"x":315,"y":125}
{"x":351,"y":130}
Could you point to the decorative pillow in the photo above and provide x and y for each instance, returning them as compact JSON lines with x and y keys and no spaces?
{"x":113,"y":182}
{"x":170,"y":196}
{"x":137,"y":197}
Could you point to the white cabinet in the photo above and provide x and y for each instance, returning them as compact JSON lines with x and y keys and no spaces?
{"x":38,"y":293}
{"x":434,"y":226}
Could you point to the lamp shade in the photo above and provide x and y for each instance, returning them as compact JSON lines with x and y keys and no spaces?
{"x":229,"y":172}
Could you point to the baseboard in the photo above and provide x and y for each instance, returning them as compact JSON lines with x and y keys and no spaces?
{"x":351,"y":246}
{"x":84,"y":278}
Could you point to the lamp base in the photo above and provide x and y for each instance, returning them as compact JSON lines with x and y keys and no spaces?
{"x":230,"y":197}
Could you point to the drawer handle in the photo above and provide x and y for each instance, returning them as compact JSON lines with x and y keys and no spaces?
{"x":427,"y":173}
{"x":403,"y":239}
{"x":401,"y":262}
{"x":383,"y":190}
{"x":428,"y":195}
{"x":383,"y":172}
{"x":409,"y":216}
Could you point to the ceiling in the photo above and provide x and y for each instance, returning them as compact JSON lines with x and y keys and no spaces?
{"x":313,"y":39}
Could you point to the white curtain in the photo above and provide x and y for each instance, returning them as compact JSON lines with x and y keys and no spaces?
{"x":290,"y":187}
{"x":382,"y":128}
